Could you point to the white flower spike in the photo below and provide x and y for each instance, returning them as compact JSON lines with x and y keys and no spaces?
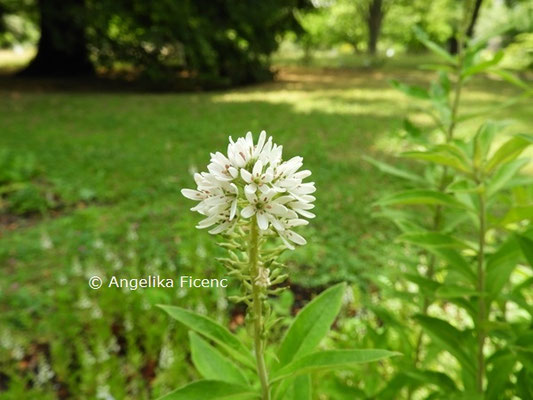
{"x":252,"y":179}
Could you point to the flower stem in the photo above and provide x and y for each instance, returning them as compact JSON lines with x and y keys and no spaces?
{"x":481,"y":335}
{"x":257,"y":311}
{"x":437,"y":216}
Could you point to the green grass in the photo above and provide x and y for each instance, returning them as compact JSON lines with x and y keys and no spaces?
{"x":119,"y":160}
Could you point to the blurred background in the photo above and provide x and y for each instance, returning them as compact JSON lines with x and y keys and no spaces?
{"x":106,"y":110}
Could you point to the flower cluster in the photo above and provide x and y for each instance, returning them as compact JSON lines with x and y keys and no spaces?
{"x":252,"y":181}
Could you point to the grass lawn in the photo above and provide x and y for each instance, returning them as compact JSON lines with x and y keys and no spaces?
{"x":117,"y":161}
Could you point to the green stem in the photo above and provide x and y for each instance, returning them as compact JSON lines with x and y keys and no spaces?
{"x":257,"y":309}
{"x":437,"y":217}
{"x":482,"y":316}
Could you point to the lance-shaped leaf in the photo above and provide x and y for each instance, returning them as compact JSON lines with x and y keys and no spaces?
{"x":331,"y":359}
{"x":517,"y":214}
{"x":392,"y":170}
{"x":439,"y":379}
{"x":411,"y":129}
{"x":212,"y":330}
{"x":454,"y":261}
{"x":447,"y":155}
{"x":509,"y":151}
{"x":500,"y":265}
{"x":410,"y":90}
{"x":425,"y":285}
{"x":498,"y":377}
{"x":511,"y":78}
{"x":434,"y":47}
{"x":212,"y":390}
{"x":449,"y":338}
{"x":416,"y":196}
{"x":300,"y":389}
{"x":449,"y":291}
{"x":483,"y":66}
{"x":504,"y":174}
{"x":433,"y":239}
{"x":484,"y":138}
{"x":311,"y":324}
{"x":211,"y":364}
{"x":526,"y":245}
{"x":524,"y":389}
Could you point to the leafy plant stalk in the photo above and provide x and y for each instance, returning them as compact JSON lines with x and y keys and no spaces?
{"x":481,"y":289}
{"x":257,"y":308}
{"x":437,"y":216}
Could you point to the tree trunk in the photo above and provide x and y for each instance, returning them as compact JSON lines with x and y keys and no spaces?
{"x":452,"y":41}
{"x":473,"y":20}
{"x":62,"y":48}
{"x":374,"y":19}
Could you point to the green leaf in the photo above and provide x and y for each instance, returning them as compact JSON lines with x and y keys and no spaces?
{"x":455,"y":261}
{"x":211,"y":364}
{"x":523,"y":384}
{"x":498,"y":377}
{"x":517,"y":214}
{"x":391,"y":170}
{"x":483,"y":139}
{"x":434,"y":47}
{"x":432,"y":239}
{"x":212,"y":390}
{"x":450,"y":291}
{"x":401,"y":218}
{"x":212,"y":330}
{"x":450,"y":338}
{"x":311,"y":324}
{"x":447,"y":155}
{"x":492,"y":109}
{"x":425,"y":285}
{"x":504,"y":174}
{"x":500,"y":265}
{"x":410,"y":90}
{"x":439,"y":379}
{"x":483,"y":66}
{"x":523,"y":347}
{"x":511,"y":78}
{"x":411,"y":128}
{"x":526,"y":245}
{"x":416,"y":196}
{"x":509,"y":151}
{"x":300,"y":389}
{"x":444,"y":81}
{"x":331,"y":359}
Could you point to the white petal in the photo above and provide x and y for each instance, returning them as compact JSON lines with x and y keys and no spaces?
{"x":262,"y":221}
{"x":277,"y":209}
{"x":249,"y":192}
{"x":219,"y":228}
{"x":275,"y":223}
{"x":207,"y":222}
{"x":286,"y":242}
{"x":284,"y":199}
{"x":247,"y":211}
{"x":249,"y":139}
{"x":260,"y":143}
{"x":251,"y":188}
{"x":233,"y":210}
{"x":296,"y":222}
{"x":302,"y":174}
{"x":306,"y":214}
{"x":192,"y":194}
{"x":234,"y":172}
{"x":246,"y":176}
{"x":258,"y":168}
{"x":298,"y":239}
